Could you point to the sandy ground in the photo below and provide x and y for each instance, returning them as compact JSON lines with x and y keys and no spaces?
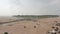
{"x":39,"y":26}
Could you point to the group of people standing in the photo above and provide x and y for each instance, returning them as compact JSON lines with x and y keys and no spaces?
{"x":55,"y":30}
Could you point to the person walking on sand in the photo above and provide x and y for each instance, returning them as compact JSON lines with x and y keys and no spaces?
{"x":53,"y":31}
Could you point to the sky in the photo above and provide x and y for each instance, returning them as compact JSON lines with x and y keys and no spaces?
{"x":29,"y":7}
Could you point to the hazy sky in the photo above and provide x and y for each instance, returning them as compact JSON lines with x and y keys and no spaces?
{"x":29,"y":7}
